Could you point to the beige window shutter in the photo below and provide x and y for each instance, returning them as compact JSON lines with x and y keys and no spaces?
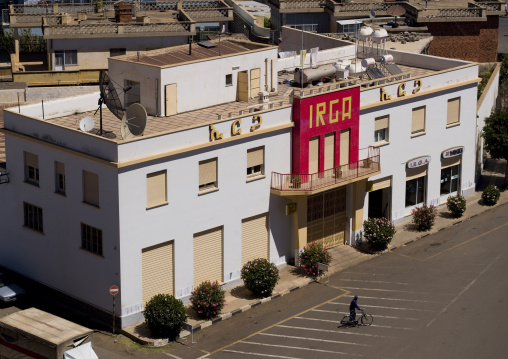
{"x":91,"y":188}
{"x":381,"y":183}
{"x":255,"y":157}
{"x":31,"y":160}
{"x":418,"y":124}
{"x":207,"y":171}
{"x":412,"y":173}
{"x":59,"y":168}
{"x":453,"y":111}
{"x":329,"y":151}
{"x":156,"y":188}
{"x":314,"y":155}
{"x":344,"y":147}
{"x":381,"y":123}
{"x":452,"y":161}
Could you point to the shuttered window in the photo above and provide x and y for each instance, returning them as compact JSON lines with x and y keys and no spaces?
{"x":156,"y":189}
{"x":31,"y":168}
{"x":418,"y":124}
{"x":59,"y":177}
{"x":412,"y":173}
{"x":208,"y":174}
{"x":255,"y":161}
{"x":329,"y":151}
{"x":344,"y":147}
{"x":314,"y":155}
{"x":381,"y":129}
{"x":208,"y":256}
{"x":451,"y":161}
{"x":255,"y":238}
{"x":453,"y":115}
{"x":381,"y":183}
{"x":157,"y":270}
{"x":91,"y":188}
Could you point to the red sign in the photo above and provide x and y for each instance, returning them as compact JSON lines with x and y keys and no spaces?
{"x":114,"y":290}
{"x":322,"y":114}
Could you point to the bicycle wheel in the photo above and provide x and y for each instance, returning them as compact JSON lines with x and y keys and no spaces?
{"x":345,"y":320}
{"x":367,"y":319}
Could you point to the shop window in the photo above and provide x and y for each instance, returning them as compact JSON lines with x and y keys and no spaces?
{"x":415,"y":191}
{"x":450,"y":177}
{"x":381,"y":129}
{"x":418,"y":123}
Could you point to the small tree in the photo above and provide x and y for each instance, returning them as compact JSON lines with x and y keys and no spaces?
{"x":378,"y":232}
{"x":313,"y":254}
{"x":208,"y":299}
{"x":260,"y":276}
{"x":495,"y":134}
{"x":165,"y":315}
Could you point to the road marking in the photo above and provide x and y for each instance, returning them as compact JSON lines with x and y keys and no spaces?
{"x":367,"y":273}
{"x":332,"y":331}
{"x":390,"y":327}
{"x":383,"y":307}
{"x":299,"y":348}
{"x":174,"y":356}
{"x":204,"y":356}
{"x":393,"y":290}
{"x":261,"y":355}
{"x":314,"y":339}
{"x":335,"y":321}
{"x":400,"y":299}
{"x":283,"y":321}
{"x":463,"y":291}
{"x":373,"y":281}
{"x":377,"y":316}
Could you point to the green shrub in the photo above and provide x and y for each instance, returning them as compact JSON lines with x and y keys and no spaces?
{"x":208,"y":299}
{"x":165,"y":315}
{"x":378,"y":232}
{"x":424,"y":217}
{"x":491,"y":195}
{"x":313,"y":254}
{"x":456,"y":205}
{"x":260,"y":276}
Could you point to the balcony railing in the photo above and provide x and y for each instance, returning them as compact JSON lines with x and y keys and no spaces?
{"x":335,"y":176}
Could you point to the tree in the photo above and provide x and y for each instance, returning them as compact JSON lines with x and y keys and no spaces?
{"x":495,"y":135}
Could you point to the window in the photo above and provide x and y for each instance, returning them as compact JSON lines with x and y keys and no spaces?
{"x":229,"y":80}
{"x":91,"y":188}
{"x":453,"y":113}
{"x":116,"y":52}
{"x":415,"y":191}
{"x":381,"y":129}
{"x":59,"y":177}
{"x":91,"y":239}
{"x":418,"y":124}
{"x":31,"y":168}
{"x":32,"y":217}
{"x":255,"y":162}
{"x":70,"y":57}
{"x":208,"y":174}
{"x":156,"y":192}
{"x":133,"y":95}
{"x":449,"y":180}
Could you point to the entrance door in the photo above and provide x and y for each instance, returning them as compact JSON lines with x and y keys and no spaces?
{"x":59,"y":61}
{"x":170,"y":99}
{"x":379,"y":203}
{"x":326,"y":217}
{"x":243,"y":86}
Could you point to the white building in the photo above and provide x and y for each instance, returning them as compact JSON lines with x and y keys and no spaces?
{"x":217,"y":178}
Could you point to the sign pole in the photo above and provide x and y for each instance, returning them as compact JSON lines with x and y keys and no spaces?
{"x":113,"y":290}
{"x":114,"y":316}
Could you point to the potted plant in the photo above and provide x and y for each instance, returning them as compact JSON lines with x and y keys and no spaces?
{"x":297,"y":182}
{"x":367,"y":162}
{"x":338,"y":172}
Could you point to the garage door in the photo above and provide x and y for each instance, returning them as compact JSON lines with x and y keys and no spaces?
{"x":157,"y":272}
{"x":326,"y":217}
{"x":255,"y":238}
{"x":208,"y":253}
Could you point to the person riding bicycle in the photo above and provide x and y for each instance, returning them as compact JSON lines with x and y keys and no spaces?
{"x":352,"y":309}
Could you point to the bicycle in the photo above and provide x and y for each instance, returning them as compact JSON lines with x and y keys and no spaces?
{"x":364,"y":319}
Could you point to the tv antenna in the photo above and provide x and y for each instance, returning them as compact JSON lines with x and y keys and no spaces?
{"x":133,"y":121}
{"x":372,"y":15}
{"x":86,"y":124}
{"x":396,"y":10}
{"x":110,"y":97}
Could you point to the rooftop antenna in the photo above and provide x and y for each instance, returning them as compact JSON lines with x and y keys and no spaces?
{"x":133,"y":121}
{"x":86,"y":124}
{"x":396,"y":10}
{"x":372,"y":15}
{"x":220,"y":32}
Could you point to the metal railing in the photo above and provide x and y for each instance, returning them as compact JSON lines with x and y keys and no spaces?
{"x":330,"y":177}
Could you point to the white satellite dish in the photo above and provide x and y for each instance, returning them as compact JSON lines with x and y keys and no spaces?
{"x":372,"y":14}
{"x":133,"y":121}
{"x":86,"y":124}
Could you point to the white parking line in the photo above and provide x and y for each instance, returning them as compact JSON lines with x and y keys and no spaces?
{"x":372,"y":281}
{"x":374,"y":274}
{"x":333,"y":331}
{"x":380,"y":306}
{"x":390,"y":327}
{"x":401,"y":300}
{"x":377,"y":316}
{"x":392,"y":290}
{"x":313,"y":339}
{"x":258,"y":354}
{"x":300,"y":348}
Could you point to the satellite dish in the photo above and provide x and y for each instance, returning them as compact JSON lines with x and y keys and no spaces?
{"x":133,"y":121}
{"x":396,"y":10}
{"x":109,"y":95}
{"x":372,"y":14}
{"x":86,"y":124}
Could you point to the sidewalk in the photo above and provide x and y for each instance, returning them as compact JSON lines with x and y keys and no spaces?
{"x":239,"y":299}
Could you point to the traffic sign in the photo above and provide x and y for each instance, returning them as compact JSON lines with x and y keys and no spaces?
{"x":114,"y":290}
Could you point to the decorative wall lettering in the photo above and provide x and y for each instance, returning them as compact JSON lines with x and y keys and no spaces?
{"x":332,"y":110}
{"x":452,"y":152}
{"x":384,"y":95}
{"x":257,"y":125}
{"x":401,"y":90}
{"x":418,"y":86}
{"x":418,"y":162}
{"x":214,"y":134}
{"x":236,"y":128}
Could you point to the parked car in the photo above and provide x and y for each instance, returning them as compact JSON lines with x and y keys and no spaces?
{"x":9,"y":291}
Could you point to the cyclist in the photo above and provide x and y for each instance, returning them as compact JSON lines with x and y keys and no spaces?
{"x":352,"y":309}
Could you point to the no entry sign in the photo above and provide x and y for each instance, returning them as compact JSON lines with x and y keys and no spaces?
{"x":114,"y":290}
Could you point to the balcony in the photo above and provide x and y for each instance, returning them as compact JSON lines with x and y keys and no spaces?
{"x":307,"y":184}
